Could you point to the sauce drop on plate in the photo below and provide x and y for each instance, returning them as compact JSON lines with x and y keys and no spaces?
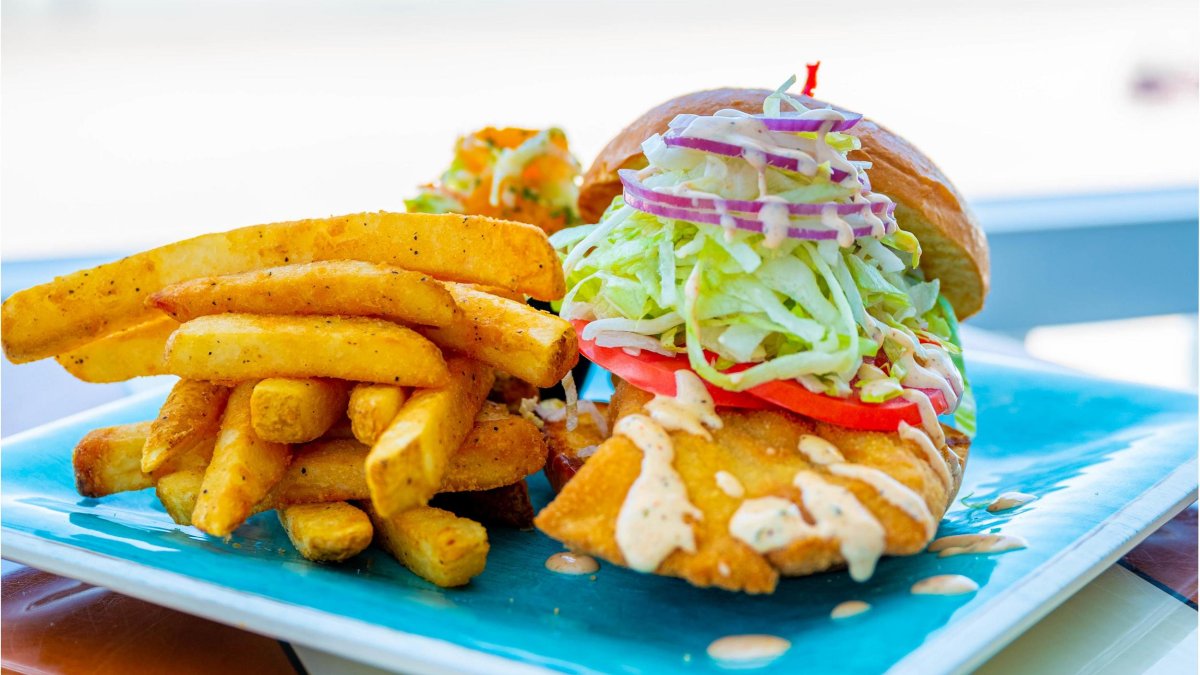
{"x":747,"y":651}
{"x":945,"y":584}
{"x":848,"y":609}
{"x":960,"y":544}
{"x":1010,"y":500}
{"x":572,"y":563}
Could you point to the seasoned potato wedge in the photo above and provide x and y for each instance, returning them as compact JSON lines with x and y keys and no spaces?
{"x":75,"y":309}
{"x":334,"y":287}
{"x":330,"y":532}
{"x":236,"y":347}
{"x":137,"y":351}
{"x":436,"y":545}
{"x":243,"y":469}
{"x":527,"y":343}
{"x":287,"y":410}
{"x":408,"y":462}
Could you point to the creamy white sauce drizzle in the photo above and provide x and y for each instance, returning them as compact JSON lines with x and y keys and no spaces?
{"x":572,"y":563}
{"x":775,"y":221}
{"x":848,"y":609}
{"x":978,"y":544}
{"x":839,"y":515}
{"x":932,"y":454}
{"x":691,"y":409}
{"x":945,"y":584}
{"x":654,"y":520}
{"x":929,"y":420}
{"x":769,"y":523}
{"x":892,"y":491}
{"x":729,"y":484}
{"x":831,"y":219}
{"x":818,"y":450}
{"x":1010,"y":500}
{"x":747,"y":650}
{"x":823,"y":453}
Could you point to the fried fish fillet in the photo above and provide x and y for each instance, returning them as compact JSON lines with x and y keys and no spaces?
{"x":760,"y":450}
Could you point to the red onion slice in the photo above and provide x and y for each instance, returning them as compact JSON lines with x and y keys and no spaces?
{"x":793,"y":124}
{"x":732,"y":150}
{"x":639,"y":190}
{"x":714,"y":218}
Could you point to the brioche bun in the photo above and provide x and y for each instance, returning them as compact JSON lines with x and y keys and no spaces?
{"x":927,"y":204}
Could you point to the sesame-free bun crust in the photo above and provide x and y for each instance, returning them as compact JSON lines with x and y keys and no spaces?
{"x":954,"y":248}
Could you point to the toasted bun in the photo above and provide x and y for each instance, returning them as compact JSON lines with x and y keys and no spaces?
{"x":953,"y":244}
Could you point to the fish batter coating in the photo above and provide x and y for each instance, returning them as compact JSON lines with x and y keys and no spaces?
{"x":759,"y":449}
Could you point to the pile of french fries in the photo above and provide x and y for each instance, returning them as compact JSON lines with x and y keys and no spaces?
{"x":336,"y":371}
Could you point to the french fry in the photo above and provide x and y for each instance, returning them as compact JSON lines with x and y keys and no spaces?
{"x":242,"y":471}
{"x":75,"y":309}
{"x":285,"y":410}
{"x":178,"y":492}
{"x":108,"y":460}
{"x":408,"y":462}
{"x":436,"y":545}
{"x":527,"y":343}
{"x":134,"y":352}
{"x":322,"y":471}
{"x":237,"y":347}
{"x":330,"y":532}
{"x":507,"y":506}
{"x":499,"y":450}
{"x":334,"y":287}
{"x":372,"y":409}
{"x":190,"y":415}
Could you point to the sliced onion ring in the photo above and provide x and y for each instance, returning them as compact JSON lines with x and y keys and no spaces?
{"x":714,"y":218}
{"x":638,"y":189}
{"x":793,"y":124}
{"x":732,"y":150}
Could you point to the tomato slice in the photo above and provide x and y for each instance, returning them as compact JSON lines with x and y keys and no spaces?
{"x":656,"y":373}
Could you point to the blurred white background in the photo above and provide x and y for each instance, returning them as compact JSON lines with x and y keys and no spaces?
{"x":136,"y":122}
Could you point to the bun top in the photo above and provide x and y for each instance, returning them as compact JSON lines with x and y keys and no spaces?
{"x":954,"y":248}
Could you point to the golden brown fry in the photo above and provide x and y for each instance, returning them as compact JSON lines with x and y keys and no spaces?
{"x":134,"y":352}
{"x":436,"y":545}
{"x":242,"y":471}
{"x":75,"y":309}
{"x":178,"y":492}
{"x":237,"y":347}
{"x":191,"y":415}
{"x":330,"y":532}
{"x":322,"y":471}
{"x":527,"y":343}
{"x":334,"y":287}
{"x":499,"y":450}
{"x":408,"y":462}
{"x":372,"y":409}
{"x":108,"y":460}
{"x":506,"y":506}
{"x":286,"y":410}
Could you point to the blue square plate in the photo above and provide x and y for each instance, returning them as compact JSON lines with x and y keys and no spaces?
{"x":1110,"y":463}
